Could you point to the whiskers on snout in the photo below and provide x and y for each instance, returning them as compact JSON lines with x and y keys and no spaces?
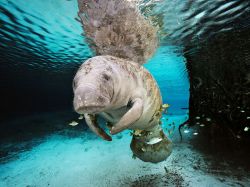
{"x":89,"y":109}
{"x":89,"y":105}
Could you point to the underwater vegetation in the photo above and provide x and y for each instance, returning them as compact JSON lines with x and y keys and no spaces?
{"x":220,"y":95}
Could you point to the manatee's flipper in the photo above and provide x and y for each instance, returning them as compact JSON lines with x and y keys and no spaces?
{"x":130,"y":117}
{"x":93,"y":125}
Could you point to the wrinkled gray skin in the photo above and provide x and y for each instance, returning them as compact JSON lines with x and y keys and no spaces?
{"x":127,"y":96}
{"x":121,"y":91}
{"x":117,"y":87}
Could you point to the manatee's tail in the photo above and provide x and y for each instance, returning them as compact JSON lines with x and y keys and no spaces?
{"x":116,"y":27}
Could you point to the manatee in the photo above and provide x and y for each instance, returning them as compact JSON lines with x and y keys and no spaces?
{"x":127,"y":96}
{"x":114,"y":84}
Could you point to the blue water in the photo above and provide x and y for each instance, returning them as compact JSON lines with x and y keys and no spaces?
{"x":46,"y":30}
{"x":42,"y":45}
{"x":168,"y":68}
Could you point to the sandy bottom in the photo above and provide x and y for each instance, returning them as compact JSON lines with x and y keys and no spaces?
{"x":63,"y":158}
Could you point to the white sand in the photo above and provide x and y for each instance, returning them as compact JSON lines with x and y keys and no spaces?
{"x":85,"y":161}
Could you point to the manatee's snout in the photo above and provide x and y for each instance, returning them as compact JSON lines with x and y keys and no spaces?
{"x":88,"y":99}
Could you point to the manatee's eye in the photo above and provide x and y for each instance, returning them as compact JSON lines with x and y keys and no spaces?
{"x":105,"y":76}
{"x":100,"y":99}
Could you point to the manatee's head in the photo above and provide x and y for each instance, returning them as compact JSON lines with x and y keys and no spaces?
{"x":93,"y":88}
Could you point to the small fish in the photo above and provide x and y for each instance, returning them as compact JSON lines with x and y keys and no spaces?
{"x":137,"y":132}
{"x":186,"y":131}
{"x":165,"y":105}
{"x":80,"y":117}
{"x":242,"y":111}
{"x":248,"y":117}
{"x":208,"y":119}
{"x":197,"y":117}
{"x":246,"y":129}
{"x":195,"y":133}
{"x":202,"y":125}
{"x":154,"y":141}
{"x":73,"y":123}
